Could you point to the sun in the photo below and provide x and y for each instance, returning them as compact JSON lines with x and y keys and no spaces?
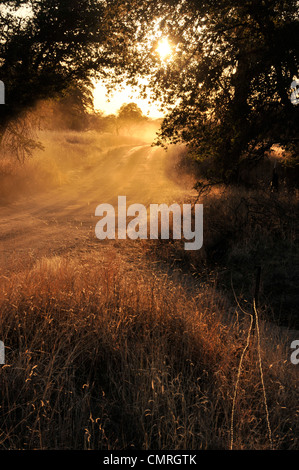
{"x":164,"y":48}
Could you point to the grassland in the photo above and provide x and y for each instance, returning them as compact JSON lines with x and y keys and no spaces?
{"x":137,"y":345}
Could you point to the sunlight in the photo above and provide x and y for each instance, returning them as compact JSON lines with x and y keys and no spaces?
{"x":164,"y":49}
{"x":111,"y":104}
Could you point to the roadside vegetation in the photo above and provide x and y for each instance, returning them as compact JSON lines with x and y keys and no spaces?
{"x":105,"y":354}
{"x":143,"y":345}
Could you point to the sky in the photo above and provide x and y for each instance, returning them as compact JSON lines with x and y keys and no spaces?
{"x":112,"y":104}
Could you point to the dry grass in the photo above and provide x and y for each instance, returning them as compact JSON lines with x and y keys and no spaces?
{"x":108,"y":349}
{"x":103,"y":355}
{"x":244,"y":229}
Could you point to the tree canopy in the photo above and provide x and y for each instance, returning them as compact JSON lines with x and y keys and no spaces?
{"x":130,"y":112}
{"x":227,"y":84}
{"x":47,"y":46}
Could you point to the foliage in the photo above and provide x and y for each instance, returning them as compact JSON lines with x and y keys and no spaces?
{"x":128,"y":116}
{"x":46,"y":47}
{"x":130,"y":112}
{"x":19,"y":139}
{"x":72,"y":110}
{"x":226,"y":86}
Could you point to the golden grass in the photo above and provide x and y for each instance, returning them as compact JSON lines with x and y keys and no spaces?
{"x":112,"y":351}
{"x":102,"y":354}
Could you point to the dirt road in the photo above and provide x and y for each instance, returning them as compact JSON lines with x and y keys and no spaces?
{"x":58,"y":220}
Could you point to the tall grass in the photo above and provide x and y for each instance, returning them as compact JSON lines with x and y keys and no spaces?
{"x":112,"y":351}
{"x":245,"y":228}
{"x":101,"y":354}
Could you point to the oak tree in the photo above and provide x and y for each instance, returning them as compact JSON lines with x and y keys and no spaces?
{"x":226,"y":86}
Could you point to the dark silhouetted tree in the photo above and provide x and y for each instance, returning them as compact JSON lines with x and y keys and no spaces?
{"x":227,"y":84}
{"x":47,"y":46}
{"x":129,"y":115}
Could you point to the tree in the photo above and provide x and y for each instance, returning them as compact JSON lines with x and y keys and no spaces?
{"x":73,"y":107}
{"x":130,"y":112}
{"x":227,"y":85}
{"x":47,"y":46}
{"x":129,"y":115}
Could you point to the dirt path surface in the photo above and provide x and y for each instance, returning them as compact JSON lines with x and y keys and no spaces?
{"x":62,"y":219}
